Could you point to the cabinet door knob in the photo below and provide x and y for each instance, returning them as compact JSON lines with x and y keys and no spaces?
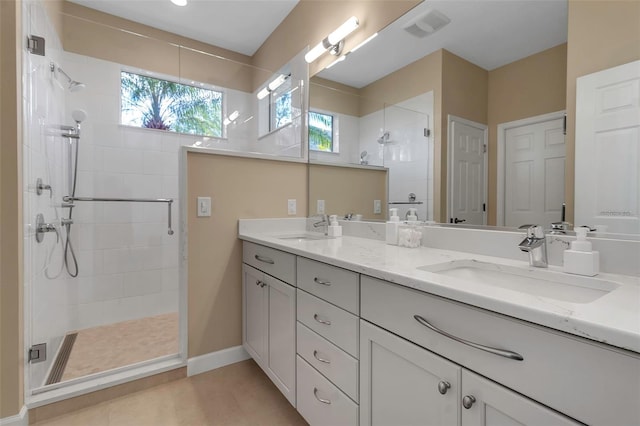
{"x":468,"y":401}
{"x":443,"y":387}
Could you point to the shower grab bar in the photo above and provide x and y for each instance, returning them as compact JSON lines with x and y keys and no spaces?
{"x":169,"y":201}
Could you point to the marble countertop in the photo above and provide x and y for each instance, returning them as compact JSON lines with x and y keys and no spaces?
{"x":613,"y":319}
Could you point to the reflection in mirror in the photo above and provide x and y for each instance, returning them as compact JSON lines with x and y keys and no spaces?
{"x":474,"y":73}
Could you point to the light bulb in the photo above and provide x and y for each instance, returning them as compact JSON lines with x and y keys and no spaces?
{"x":277,"y":82}
{"x":343,"y":30}
{"x":263,"y":93}
{"x":315,"y":53}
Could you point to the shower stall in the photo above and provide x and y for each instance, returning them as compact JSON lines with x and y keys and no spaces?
{"x":100,"y":252}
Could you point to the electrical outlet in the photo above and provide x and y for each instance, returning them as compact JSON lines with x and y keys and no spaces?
{"x":204,"y":206}
{"x":291,"y":206}
{"x":377,"y":206}
{"x":320,"y":207}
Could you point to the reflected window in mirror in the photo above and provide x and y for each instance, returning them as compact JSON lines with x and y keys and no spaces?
{"x":280,"y":106}
{"x":321,"y":132}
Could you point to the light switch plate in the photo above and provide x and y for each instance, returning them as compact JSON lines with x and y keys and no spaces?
{"x":291,"y":206}
{"x":377,"y":206}
{"x":204,"y":207}
{"x":320,"y":207}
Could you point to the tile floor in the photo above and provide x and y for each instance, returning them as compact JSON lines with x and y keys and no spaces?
{"x":239,"y":394}
{"x":116,"y":345}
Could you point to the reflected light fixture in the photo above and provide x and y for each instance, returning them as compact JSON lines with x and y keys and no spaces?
{"x":334,"y":41}
{"x":231,"y":118}
{"x":179,"y":2}
{"x":343,"y":57}
{"x":273,"y":85}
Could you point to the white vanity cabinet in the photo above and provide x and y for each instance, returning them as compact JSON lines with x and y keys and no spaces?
{"x":589,"y":382}
{"x":269,"y":318}
{"x":402,"y":383}
{"x":328,"y":305}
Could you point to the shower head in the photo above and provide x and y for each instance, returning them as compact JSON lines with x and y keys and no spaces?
{"x":79,"y":116}
{"x":363,"y":154}
{"x":74,"y":86}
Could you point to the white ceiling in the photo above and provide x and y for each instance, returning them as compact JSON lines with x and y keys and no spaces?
{"x":489,"y":33}
{"x":238,"y":25}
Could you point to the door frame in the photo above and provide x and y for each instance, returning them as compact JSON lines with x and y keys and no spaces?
{"x":502,"y":140}
{"x":450,"y":120}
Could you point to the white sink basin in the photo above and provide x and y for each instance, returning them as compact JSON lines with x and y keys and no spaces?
{"x":537,"y":282}
{"x":304,"y":237}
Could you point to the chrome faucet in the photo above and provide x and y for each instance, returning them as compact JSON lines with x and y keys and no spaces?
{"x":536,"y":245}
{"x":324,"y":223}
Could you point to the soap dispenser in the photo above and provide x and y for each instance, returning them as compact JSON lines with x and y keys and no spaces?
{"x":412,"y":215}
{"x":334,"y":229}
{"x":392,"y":227}
{"x":580,"y":259}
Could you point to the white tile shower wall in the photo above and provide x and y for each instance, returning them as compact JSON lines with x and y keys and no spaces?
{"x":45,"y":290}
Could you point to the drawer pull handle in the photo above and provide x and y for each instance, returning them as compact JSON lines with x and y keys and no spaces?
{"x":443,"y":387}
{"x":320,"y":320}
{"x":324,"y":401}
{"x":507,"y":354}
{"x":468,"y":401}
{"x":321,"y":282}
{"x":264,"y":259}
{"x":315,"y":355}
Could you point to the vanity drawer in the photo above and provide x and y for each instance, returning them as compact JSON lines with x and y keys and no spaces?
{"x":585,"y":380}
{"x":274,"y":262}
{"x":320,"y":402}
{"x":334,"y":363}
{"x":335,"y":285}
{"x":335,"y":324}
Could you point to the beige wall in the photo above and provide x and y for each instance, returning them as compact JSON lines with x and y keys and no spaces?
{"x":532,"y":86}
{"x":312,"y":20}
{"x":347,"y":190}
{"x":99,"y":35}
{"x":240,"y":188}
{"x":11,"y":328}
{"x":335,"y":97}
{"x":464,"y":94}
{"x":602,"y":34}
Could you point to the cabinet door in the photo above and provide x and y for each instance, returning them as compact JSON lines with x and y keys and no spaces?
{"x":404,"y":384}
{"x":254,"y":313}
{"x":282,"y":337}
{"x":490,"y":404}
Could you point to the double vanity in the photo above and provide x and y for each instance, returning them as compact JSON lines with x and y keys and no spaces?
{"x":356,"y":332}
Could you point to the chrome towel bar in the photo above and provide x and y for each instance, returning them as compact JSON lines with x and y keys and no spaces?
{"x":169,"y":201}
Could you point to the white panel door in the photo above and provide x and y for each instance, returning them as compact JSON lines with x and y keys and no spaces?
{"x":282,"y":337}
{"x":467,"y":145}
{"x":534,"y":173}
{"x":254,"y":309}
{"x":404,"y":384}
{"x":488,"y":404}
{"x":607,"y":188}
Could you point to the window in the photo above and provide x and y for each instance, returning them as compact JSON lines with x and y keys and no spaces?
{"x":166,"y":105}
{"x":321,"y":132}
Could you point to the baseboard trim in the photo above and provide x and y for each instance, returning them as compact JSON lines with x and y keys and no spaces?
{"x":20,"y":419}
{"x":213,"y":360}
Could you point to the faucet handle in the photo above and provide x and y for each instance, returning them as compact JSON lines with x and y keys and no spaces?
{"x":533,"y":231}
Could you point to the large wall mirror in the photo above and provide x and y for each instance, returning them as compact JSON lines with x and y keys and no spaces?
{"x":465,"y":121}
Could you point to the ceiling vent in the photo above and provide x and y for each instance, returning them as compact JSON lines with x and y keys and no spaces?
{"x":427,"y":24}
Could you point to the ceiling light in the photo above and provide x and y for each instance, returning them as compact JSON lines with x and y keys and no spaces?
{"x":179,"y":2}
{"x":333,"y":42}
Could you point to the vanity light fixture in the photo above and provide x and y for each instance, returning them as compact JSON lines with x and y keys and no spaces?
{"x":179,"y":2}
{"x":231,"y":118}
{"x":334,"y":42}
{"x":273,"y":85}
{"x":343,"y":57}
